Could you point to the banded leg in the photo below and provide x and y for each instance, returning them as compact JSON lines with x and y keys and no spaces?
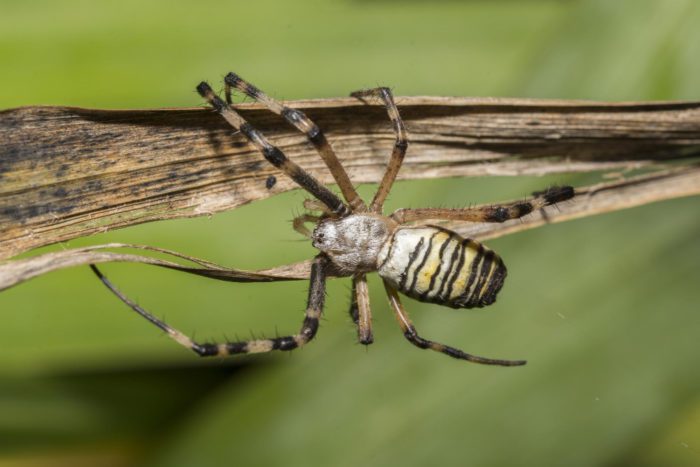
{"x":400,"y":145}
{"x":496,"y":213}
{"x":304,"y":124}
{"x":360,"y":311}
{"x":273,"y":154}
{"x":409,"y":331}
{"x":307,"y":332}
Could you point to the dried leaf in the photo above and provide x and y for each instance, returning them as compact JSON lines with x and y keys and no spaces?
{"x":597,"y":199}
{"x":69,"y":172}
{"x":15,"y":272}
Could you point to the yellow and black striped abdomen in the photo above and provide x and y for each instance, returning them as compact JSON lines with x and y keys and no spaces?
{"x":436,"y":265}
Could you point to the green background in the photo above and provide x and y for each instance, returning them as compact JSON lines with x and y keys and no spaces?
{"x":604,"y":309}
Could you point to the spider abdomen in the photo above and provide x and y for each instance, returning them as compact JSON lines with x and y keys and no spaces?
{"x":436,"y":265}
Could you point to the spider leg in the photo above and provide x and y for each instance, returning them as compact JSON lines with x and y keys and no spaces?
{"x":308,"y":329}
{"x":360,"y":311}
{"x":400,"y":145}
{"x":273,"y":154}
{"x":497,"y":213}
{"x":304,"y":124}
{"x":409,"y":331}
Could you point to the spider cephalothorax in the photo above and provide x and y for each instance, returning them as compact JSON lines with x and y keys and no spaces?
{"x":353,"y":243}
{"x":426,"y":262}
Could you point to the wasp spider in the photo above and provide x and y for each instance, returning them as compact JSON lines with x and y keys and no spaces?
{"x":425,"y":262}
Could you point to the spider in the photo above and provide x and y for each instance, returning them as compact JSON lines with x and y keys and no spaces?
{"x":425,"y":262}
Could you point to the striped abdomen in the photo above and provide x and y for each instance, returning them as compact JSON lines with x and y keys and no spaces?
{"x":436,"y":265}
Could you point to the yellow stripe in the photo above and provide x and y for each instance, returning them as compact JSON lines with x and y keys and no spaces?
{"x":479,"y":272}
{"x":452,"y":250}
{"x":494,"y":264}
{"x":431,"y":263}
{"x":463,"y":277}
{"x":412,"y":269}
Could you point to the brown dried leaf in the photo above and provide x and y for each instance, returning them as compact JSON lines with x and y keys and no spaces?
{"x":15,"y":272}
{"x":68,"y":172}
{"x":597,"y":199}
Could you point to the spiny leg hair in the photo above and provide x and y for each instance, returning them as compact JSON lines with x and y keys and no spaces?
{"x":300,"y":121}
{"x":314,"y":309}
{"x":273,"y":154}
{"x":497,"y":213}
{"x":409,"y":331}
{"x":400,"y":146}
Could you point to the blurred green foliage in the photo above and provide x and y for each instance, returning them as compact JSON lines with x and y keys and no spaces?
{"x":605,"y":309}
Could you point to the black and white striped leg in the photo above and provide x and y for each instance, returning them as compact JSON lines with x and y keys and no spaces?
{"x":301,"y":122}
{"x":409,"y":331}
{"x":496,"y":213}
{"x":314,"y":309}
{"x":400,"y":145}
{"x":273,"y":154}
{"x":360,"y":311}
